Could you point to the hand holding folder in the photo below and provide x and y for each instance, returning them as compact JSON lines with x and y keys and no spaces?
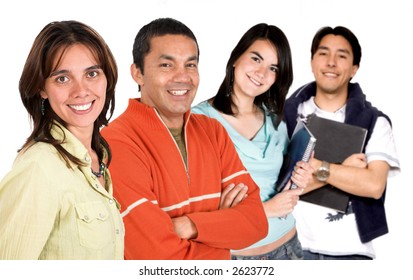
{"x":299,"y":149}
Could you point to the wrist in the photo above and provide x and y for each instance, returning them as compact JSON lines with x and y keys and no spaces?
{"x":323,"y":172}
{"x":185,"y":228}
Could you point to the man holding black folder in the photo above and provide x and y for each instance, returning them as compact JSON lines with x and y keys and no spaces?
{"x":324,"y":232}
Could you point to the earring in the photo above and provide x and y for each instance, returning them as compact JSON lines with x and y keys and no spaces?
{"x":42,"y":109}
{"x":231,"y":85}
{"x":229,"y":92}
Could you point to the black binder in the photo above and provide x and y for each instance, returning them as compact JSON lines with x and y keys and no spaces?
{"x":335,"y":142}
{"x":300,"y":148}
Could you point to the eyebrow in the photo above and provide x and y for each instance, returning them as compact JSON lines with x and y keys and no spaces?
{"x":64,"y":71}
{"x":340,"y":50}
{"x":257,"y":54}
{"x":170,"y":57}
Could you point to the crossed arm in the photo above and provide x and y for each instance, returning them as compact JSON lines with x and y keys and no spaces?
{"x":278,"y":206}
{"x":230,"y":196}
{"x":355,"y":176}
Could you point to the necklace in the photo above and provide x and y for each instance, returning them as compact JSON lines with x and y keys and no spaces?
{"x":101,"y":170}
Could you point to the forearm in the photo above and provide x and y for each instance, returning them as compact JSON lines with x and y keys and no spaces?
{"x":358,"y":181}
{"x":234,"y":228}
{"x":365,"y":182}
{"x":150,"y":234}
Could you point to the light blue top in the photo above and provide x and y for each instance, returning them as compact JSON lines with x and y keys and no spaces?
{"x":263,"y":157}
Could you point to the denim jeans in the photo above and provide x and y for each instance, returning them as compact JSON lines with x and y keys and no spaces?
{"x":290,"y":250}
{"x":316,"y":256}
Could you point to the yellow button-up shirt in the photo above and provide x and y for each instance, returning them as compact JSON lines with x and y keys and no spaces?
{"x":50,"y":211}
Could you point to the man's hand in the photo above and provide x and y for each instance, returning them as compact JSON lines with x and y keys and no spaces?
{"x":232,"y":195}
{"x":184,"y":227}
{"x":356,"y":160}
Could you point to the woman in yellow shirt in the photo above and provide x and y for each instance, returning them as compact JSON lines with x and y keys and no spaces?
{"x":57,"y":202}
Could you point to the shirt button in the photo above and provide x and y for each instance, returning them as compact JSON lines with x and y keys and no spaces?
{"x":86,"y":218}
{"x":97,"y":186}
{"x":101,"y":215}
{"x":87,"y":159}
{"x":111,"y":201}
{"x":117,"y":231}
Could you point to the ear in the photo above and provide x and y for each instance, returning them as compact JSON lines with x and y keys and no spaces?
{"x":43,"y":94}
{"x":312,"y":66}
{"x":136,"y":74}
{"x":354,"y":70}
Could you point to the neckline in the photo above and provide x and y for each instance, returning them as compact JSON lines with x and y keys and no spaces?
{"x":227,"y":125}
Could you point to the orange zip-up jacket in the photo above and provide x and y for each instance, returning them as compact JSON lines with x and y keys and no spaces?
{"x":153,"y":185}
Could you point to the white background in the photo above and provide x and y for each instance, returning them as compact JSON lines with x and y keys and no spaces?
{"x":383,"y":27}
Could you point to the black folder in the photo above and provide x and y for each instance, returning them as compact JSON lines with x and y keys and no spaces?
{"x":335,"y":142}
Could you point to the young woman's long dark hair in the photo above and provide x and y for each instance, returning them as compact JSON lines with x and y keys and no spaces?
{"x":52,"y":40}
{"x":274,"y":98}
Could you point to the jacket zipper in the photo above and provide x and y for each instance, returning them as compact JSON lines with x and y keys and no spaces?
{"x":176,"y":145}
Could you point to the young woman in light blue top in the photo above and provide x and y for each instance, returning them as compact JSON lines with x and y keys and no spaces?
{"x":249,"y":104}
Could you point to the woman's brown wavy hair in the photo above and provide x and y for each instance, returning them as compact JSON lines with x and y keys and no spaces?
{"x":54,"y":38}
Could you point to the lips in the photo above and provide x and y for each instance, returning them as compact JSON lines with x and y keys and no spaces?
{"x":178,"y":92}
{"x":330,"y":74}
{"x":255,"y":82}
{"x":81,"y":107}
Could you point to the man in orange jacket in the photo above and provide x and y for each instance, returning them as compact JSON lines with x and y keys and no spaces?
{"x":183,"y":189}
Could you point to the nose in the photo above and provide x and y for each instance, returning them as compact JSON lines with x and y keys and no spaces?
{"x":182,"y":74}
{"x":80,"y":89}
{"x":260,"y":72}
{"x":331,"y":61}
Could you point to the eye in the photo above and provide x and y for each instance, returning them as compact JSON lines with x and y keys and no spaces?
{"x":192,"y":65}
{"x":256,"y":59}
{"x":93,"y":74}
{"x":274,"y":69}
{"x":165,"y":65}
{"x":62,"y":79}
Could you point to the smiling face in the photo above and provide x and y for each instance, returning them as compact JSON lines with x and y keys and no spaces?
{"x":170,"y":78}
{"x":332,"y":65}
{"x":76,"y":88}
{"x":256,"y":69}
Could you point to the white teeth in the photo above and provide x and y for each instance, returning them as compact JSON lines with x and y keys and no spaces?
{"x":255,"y":82}
{"x":81,"y":107}
{"x":178,"y":92}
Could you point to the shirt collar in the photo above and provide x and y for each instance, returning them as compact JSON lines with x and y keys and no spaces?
{"x":71,"y":144}
{"x":338,"y":115}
